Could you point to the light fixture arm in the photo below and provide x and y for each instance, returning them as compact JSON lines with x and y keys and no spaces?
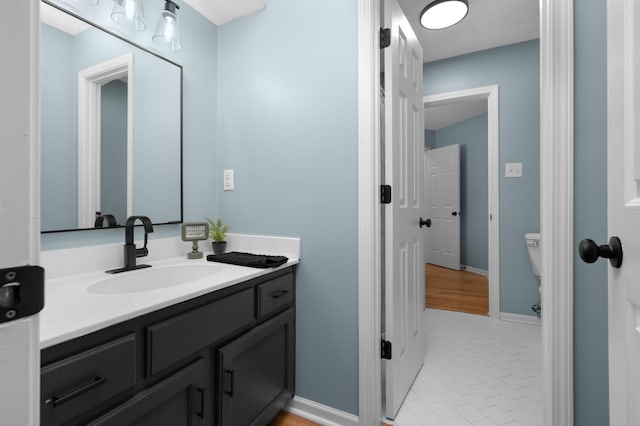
{"x":171,"y":6}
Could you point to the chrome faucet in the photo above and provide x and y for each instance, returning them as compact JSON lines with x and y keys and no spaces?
{"x":131,"y":252}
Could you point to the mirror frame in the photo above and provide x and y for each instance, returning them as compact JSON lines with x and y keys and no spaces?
{"x":181,"y":161}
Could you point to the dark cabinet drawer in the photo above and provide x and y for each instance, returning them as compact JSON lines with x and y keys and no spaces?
{"x":81,"y":382}
{"x":176,"y":401}
{"x":275,"y":294}
{"x":170,"y":341}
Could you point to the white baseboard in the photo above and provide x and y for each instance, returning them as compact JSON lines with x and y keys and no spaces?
{"x":522,"y":319}
{"x":320,"y":413}
{"x":475,"y":270}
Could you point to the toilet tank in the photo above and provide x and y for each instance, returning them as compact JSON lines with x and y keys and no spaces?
{"x":535,"y":255}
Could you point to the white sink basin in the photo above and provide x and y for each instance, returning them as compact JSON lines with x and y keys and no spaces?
{"x":154,"y":278}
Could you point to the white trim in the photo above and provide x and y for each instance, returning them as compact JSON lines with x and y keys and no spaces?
{"x":521,"y":319}
{"x":556,"y":208}
{"x":320,"y":413}
{"x":90,"y":82}
{"x":369,"y":222}
{"x":20,"y":211}
{"x":475,"y":270}
{"x":492,"y":95}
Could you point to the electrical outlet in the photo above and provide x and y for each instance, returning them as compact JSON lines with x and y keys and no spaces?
{"x":513,"y":170}
{"x":228,"y":180}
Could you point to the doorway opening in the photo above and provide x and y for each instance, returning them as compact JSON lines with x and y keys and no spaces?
{"x":488,"y":96}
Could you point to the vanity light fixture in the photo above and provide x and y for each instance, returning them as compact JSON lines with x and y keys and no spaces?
{"x":166,"y":33}
{"x":129,"y":13}
{"x":441,"y":14}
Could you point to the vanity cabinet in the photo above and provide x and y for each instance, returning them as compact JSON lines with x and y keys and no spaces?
{"x":224,"y":358}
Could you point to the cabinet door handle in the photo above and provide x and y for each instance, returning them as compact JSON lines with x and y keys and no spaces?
{"x":199,"y":400}
{"x":278,"y":294}
{"x":56,"y":401}
{"x":228,"y":388}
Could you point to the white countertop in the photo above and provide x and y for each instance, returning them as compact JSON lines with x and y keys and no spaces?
{"x":71,"y":310}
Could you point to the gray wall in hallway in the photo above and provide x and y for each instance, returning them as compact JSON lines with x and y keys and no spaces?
{"x":471,"y":135}
{"x":590,"y":203}
{"x":516,"y":69}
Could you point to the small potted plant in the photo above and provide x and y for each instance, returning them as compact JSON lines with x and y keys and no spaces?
{"x":218,"y":233}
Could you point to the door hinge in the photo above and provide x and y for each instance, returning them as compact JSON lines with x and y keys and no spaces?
{"x":385,"y":37}
{"x":386,"y":349}
{"x":385,"y":194}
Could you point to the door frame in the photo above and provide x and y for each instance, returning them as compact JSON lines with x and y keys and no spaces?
{"x":556,"y":210}
{"x":492,"y":95}
{"x":90,"y":82}
{"x":20,"y":215}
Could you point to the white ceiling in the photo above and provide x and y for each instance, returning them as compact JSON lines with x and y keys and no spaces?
{"x":62,"y":21}
{"x":444,"y":115}
{"x":489,"y":23}
{"x":222,"y":11}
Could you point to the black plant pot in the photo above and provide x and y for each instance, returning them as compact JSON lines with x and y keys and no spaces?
{"x":219,"y":247}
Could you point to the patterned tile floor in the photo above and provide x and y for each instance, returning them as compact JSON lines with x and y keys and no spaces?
{"x":477,"y":371}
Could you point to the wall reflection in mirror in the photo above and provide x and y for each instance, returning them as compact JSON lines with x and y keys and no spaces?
{"x":110,"y":128}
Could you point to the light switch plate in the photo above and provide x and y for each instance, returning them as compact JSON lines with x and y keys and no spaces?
{"x":228,"y":180}
{"x":513,"y":170}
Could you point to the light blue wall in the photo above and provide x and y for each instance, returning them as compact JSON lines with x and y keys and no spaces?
{"x":198,"y":58}
{"x":113,"y":150}
{"x":429,"y":139}
{"x":58,"y":179}
{"x":288,"y":127}
{"x":472,"y":136}
{"x":515,"y":69}
{"x":590,"y":203}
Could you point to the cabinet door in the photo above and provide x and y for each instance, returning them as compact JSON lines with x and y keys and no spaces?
{"x":176,"y":401}
{"x":256,"y":373}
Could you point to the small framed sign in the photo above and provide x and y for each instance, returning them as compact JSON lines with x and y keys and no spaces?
{"x":195,"y":231}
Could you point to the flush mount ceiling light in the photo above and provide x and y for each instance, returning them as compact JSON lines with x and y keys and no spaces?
{"x":441,"y":14}
{"x":129,"y":13}
{"x":166,"y":33}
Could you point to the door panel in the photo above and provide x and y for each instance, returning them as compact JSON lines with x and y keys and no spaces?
{"x":623,"y":157}
{"x":404,"y":146}
{"x":442,"y":201}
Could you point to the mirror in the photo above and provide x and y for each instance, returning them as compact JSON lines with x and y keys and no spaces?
{"x":111,"y":128}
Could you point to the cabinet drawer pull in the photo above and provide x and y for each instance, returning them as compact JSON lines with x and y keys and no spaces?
{"x":57,"y":401}
{"x":278,"y":294}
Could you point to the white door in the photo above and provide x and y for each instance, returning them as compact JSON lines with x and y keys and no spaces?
{"x":19,"y":339}
{"x":404,"y":147}
{"x":623,"y":152}
{"x":442,"y":202}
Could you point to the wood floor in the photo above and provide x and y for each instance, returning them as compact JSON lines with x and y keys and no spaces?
{"x":288,"y":419}
{"x":459,"y":291}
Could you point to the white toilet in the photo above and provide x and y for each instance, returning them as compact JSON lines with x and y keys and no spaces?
{"x":533,"y":246}
{"x":535,"y":255}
